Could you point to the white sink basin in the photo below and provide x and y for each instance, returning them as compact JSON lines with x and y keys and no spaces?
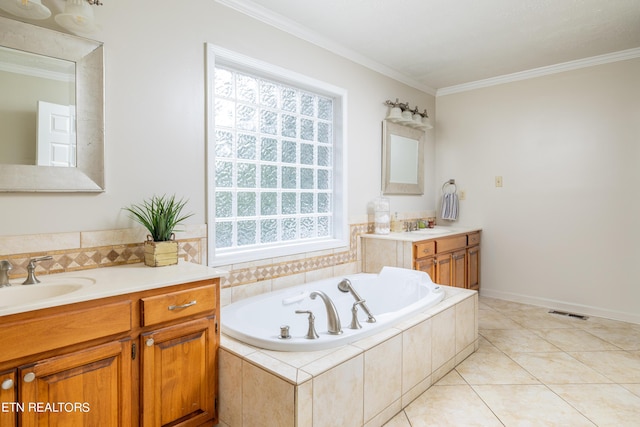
{"x":435,"y":231}
{"x":17,"y":294}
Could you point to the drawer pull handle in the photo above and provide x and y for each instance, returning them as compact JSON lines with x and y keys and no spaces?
{"x":29,"y":377}
{"x":7,"y":384}
{"x":149,"y":342}
{"x":180,"y":307}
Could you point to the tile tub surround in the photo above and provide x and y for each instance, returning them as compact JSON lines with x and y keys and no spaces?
{"x":362,"y":384}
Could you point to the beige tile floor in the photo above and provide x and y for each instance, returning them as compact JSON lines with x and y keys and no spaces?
{"x":534,"y":368}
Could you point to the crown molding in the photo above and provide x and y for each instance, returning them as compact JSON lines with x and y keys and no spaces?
{"x":542,"y":71}
{"x":262,"y":14}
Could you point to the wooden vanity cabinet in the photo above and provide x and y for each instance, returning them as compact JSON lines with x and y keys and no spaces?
{"x":148,"y":358}
{"x":450,"y":261}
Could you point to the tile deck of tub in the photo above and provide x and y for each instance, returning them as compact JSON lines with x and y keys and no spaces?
{"x":361,"y":384}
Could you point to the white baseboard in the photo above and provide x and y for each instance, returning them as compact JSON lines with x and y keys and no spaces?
{"x":563,"y":305}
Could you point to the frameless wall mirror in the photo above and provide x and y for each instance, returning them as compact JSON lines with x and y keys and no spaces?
{"x":51,"y":110}
{"x":402,"y":159}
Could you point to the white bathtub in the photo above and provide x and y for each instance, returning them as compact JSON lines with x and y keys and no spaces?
{"x":392,"y":296}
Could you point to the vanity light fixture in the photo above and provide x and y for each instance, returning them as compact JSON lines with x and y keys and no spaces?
{"x":402,"y":114}
{"x":30,"y":9}
{"x":77,"y":16}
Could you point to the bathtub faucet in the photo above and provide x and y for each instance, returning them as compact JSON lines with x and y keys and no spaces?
{"x":345,"y":286}
{"x":333,"y":320}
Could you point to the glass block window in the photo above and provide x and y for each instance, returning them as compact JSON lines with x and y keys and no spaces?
{"x":274,"y":164}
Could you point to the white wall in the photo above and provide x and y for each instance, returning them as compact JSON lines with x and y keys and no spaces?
{"x":155,"y":113}
{"x":563,"y":230}
{"x":563,"y":227}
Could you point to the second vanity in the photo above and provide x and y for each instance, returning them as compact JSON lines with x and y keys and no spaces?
{"x":450,"y":255}
{"x":117,"y":346}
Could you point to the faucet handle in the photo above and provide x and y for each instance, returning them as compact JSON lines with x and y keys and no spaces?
{"x":32,"y":261}
{"x":5,"y":267}
{"x":31,"y":270}
{"x":355,"y":324}
{"x":311,"y":333}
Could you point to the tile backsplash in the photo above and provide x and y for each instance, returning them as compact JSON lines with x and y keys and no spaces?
{"x":75,"y":251}
{"x":83,"y":250}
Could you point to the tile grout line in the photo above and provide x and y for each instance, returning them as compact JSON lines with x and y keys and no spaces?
{"x":547,"y":386}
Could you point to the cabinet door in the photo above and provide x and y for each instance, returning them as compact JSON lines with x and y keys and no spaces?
{"x":428,"y":265}
{"x":178,"y":374}
{"x":8,"y":401}
{"x":443,"y":270}
{"x":89,"y":387}
{"x":473,"y":268}
{"x":459,"y":267}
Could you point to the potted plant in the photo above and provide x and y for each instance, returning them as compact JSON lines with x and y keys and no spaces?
{"x":160,"y":215}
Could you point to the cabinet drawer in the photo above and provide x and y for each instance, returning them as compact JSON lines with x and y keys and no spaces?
{"x":59,"y":330}
{"x":176,"y":305}
{"x":451,"y":243}
{"x":424,"y":249}
{"x":473,"y":239}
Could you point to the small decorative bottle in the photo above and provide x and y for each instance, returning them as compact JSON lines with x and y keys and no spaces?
{"x":382,"y":218}
{"x":396,"y":225}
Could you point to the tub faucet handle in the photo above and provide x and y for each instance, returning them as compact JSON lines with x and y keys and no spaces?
{"x":311,"y":333}
{"x":355,"y":324}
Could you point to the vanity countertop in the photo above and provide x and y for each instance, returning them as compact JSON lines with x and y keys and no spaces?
{"x":98,"y":283}
{"x":424,"y":233}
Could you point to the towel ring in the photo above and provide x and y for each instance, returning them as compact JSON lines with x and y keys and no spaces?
{"x":446,"y":186}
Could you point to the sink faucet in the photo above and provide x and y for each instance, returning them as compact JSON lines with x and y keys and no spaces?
{"x":31,"y":270}
{"x":333,"y":320}
{"x":345,"y":286}
{"x":411,"y":225}
{"x":5,"y":267}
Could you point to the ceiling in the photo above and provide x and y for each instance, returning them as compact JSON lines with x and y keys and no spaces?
{"x":444,"y":46}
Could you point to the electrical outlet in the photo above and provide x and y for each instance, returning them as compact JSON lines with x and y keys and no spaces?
{"x":463,"y":194}
{"x":498,"y":181}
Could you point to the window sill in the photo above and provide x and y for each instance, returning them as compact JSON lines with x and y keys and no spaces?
{"x":298,"y":250}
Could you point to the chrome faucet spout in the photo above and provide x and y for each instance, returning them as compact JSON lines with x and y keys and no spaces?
{"x":346,"y":286}
{"x":333,"y":319}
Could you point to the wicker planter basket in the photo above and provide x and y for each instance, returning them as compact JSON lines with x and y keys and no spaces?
{"x":159,"y":254}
